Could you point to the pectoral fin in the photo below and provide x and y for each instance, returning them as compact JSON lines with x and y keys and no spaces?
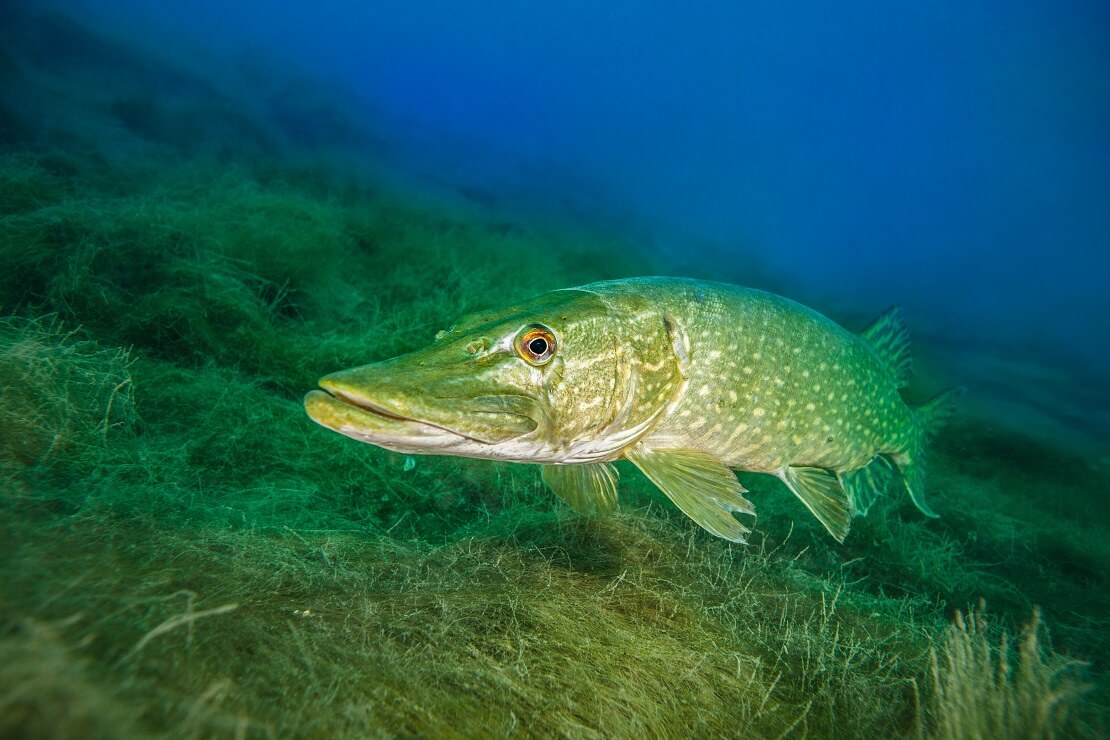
{"x":823,"y":495}
{"x":703,"y":487}
{"x":589,"y":489}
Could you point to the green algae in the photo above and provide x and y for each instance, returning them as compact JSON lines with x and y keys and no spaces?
{"x":185,"y":554}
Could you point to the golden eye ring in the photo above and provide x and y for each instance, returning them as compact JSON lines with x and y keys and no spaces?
{"x":536,"y":345}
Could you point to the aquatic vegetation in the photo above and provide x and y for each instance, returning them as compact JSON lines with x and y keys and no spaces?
{"x":982,"y":689}
{"x":184,"y":553}
{"x":59,"y":396}
{"x":263,"y":571}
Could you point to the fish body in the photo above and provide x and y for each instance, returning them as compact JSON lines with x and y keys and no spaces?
{"x":689,"y":380}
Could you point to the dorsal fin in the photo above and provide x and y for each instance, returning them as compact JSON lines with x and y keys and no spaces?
{"x":890,"y":339}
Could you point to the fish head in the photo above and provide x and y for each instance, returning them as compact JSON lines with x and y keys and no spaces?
{"x":565,"y":377}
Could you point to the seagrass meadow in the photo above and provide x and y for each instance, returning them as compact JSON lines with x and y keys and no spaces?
{"x":183,"y":553}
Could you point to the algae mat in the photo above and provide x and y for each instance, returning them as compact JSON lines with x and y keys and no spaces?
{"x":184,"y":553}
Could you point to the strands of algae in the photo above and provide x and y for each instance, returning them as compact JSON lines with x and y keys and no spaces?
{"x":184,"y":553}
{"x":988,"y":689}
{"x":58,"y":395}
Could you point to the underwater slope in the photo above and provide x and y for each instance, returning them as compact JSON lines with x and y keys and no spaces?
{"x":183,"y":552}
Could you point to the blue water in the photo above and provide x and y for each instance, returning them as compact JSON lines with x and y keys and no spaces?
{"x":207,"y":206}
{"x":950,"y":156}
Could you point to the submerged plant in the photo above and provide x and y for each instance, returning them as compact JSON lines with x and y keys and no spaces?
{"x":57,"y":392}
{"x":454,"y":597}
{"x":982,"y":688}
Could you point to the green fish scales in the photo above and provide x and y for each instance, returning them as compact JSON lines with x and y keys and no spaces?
{"x":688,"y":380}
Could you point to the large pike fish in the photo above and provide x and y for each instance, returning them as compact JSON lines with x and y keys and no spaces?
{"x":687,"y":380}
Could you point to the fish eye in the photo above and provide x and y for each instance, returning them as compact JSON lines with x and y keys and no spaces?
{"x":536,"y":345}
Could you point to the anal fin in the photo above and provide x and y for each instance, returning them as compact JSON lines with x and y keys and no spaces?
{"x":865,"y":485}
{"x":913,"y":475}
{"x":703,"y":487}
{"x":590,"y":488}
{"x":821,"y":492}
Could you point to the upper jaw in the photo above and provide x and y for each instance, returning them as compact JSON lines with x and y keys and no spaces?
{"x":382,"y":429}
{"x":380,"y":420}
{"x":358,"y":400}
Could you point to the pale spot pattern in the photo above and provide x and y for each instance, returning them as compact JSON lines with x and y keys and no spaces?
{"x":772,"y":383}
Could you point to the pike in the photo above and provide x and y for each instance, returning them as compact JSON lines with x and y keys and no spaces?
{"x":687,"y":380}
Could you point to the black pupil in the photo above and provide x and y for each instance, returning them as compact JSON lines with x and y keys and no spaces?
{"x":537,"y":346}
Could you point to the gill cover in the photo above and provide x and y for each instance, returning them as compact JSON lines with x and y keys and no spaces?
{"x":566,"y":377}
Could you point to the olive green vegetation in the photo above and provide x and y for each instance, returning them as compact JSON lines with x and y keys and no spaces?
{"x":185,"y":554}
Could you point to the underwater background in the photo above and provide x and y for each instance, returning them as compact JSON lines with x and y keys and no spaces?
{"x":205,"y":207}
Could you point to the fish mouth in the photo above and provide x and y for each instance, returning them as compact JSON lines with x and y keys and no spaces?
{"x":358,"y":417}
{"x":354,"y":414}
{"x":368,"y":406}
